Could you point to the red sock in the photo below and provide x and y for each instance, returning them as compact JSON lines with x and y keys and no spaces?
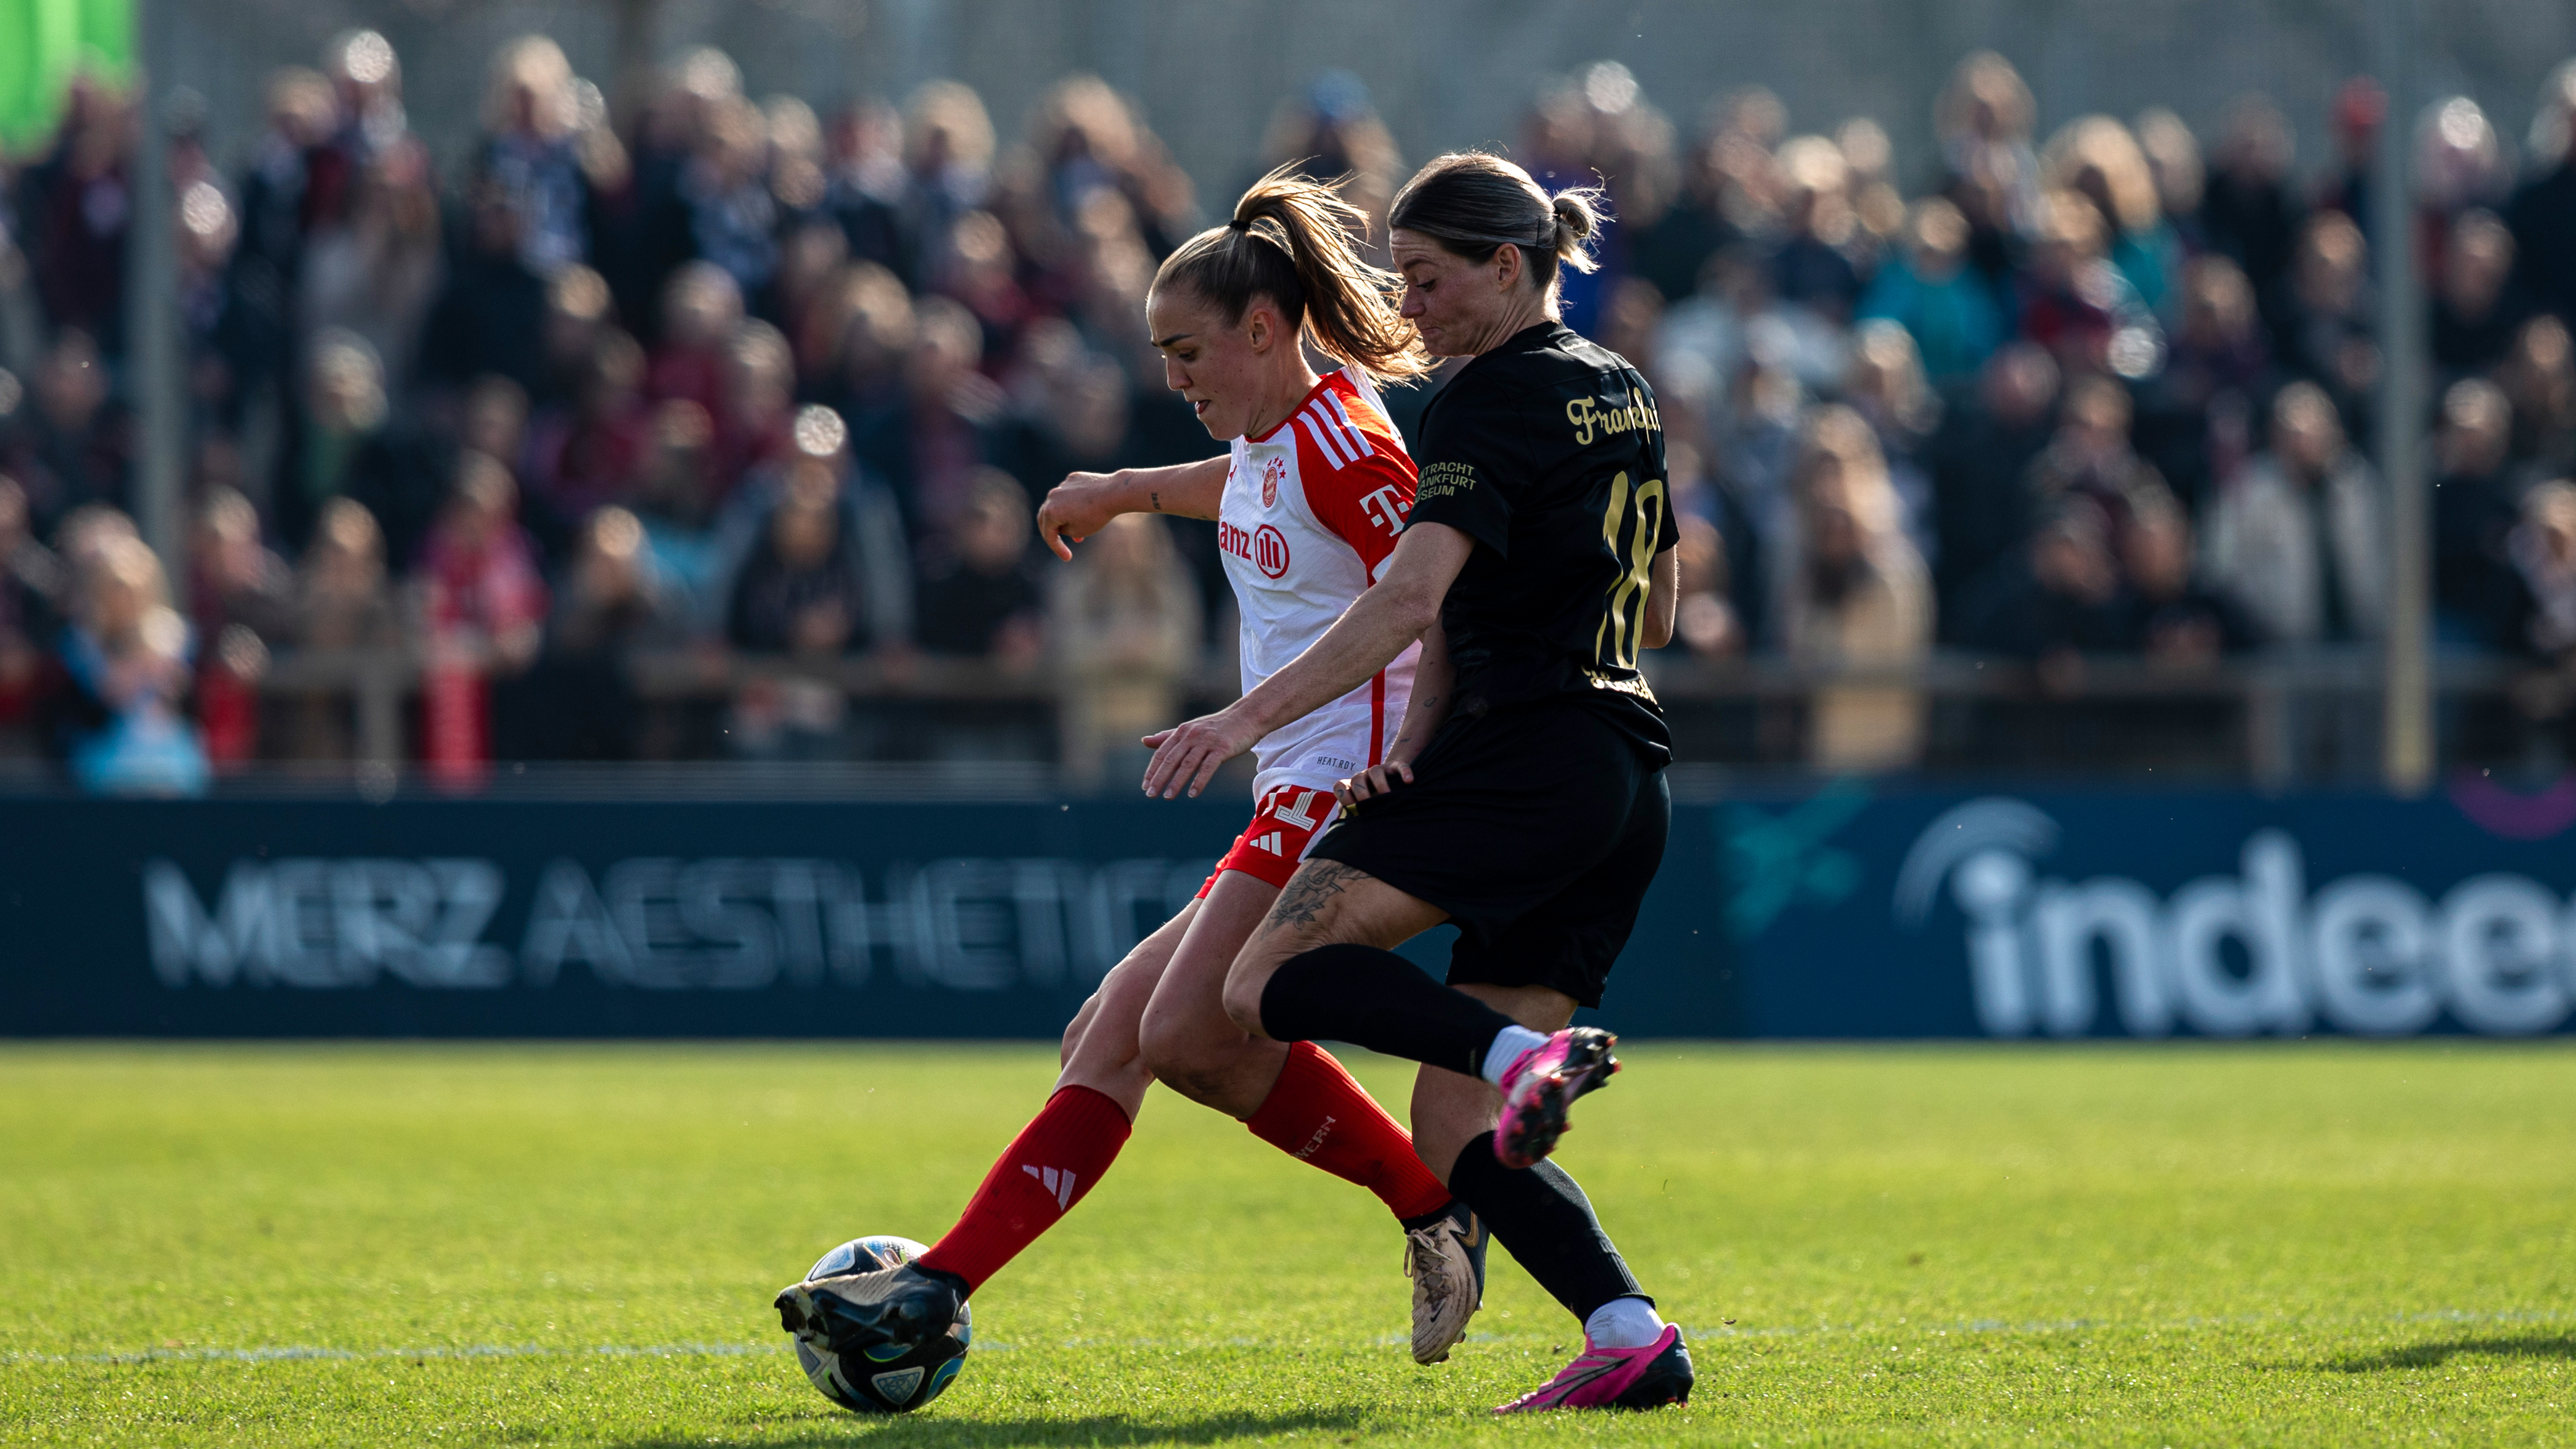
{"x":1045,"y":1171}
{"x":1319,"y":1114}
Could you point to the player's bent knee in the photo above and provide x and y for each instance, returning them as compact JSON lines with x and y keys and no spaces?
{"x":1243,"y":1000}
{"x":1196,"y":1058}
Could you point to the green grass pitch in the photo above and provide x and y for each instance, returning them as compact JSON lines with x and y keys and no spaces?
{"x":430,"y":1245}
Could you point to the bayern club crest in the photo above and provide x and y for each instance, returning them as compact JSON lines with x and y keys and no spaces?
{"x":1271,"y":474}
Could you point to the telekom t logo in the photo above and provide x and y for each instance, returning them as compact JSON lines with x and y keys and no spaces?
{"x":1386,"y":508}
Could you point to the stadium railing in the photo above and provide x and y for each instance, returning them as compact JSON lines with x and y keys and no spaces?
{"x":2255,"y":714}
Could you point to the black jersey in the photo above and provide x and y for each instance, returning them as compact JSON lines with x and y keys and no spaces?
{"x":1547,"y":451}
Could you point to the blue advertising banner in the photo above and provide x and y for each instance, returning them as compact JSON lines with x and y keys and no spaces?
{"x":1837,"y":912}
{"x":2146,"y":915}
{"x":515,"y":918}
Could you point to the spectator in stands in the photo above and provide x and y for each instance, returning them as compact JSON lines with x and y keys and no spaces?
{"x":241,"y":596}
{"x":366,"y":80}
{"x":490,"y":316}
{"x":74,"y":207}
{"x":754,"y":426}
{"x":1813,"y":265}
{"x":2360,"y":109}
{"x":2057,"y":599}
{"x":2247,"y":210}
{"x":2173,"y":160}
{"x":864,"y":185}
{"x":2195,"y":419}
{"x":2459,"y":166}
{"x":2543,"y":548}
{"x":2542,"y":213}
{"x":578,"y":700}
{"x":1853,"y":593}
{"x":526,"y":162}
{"x":1083,"y":141}
{"x":342,"y":602}
{"x":593,"y":454}
{"x":948,"y":151}
{"x":340,"y":442}
{"x":2326,"y":323}
{"x":375,"y":271}
{"x":579,"y":307}
{"x":121,"y":720}
{"x":2295,"y":539}
{"x":930,"y":444}
{"x":871,"y":340}
{"x":733,"y":218}
{"x":1984,"y":118}
{"x":812,"y":580}
{"x":2539,"y":379}
{"x":2075,"y":303}
{"x":75,"y":441}
{"x":810,"y":260}
{"x":2475,"y":505}
{"x":2091,"y":456}
{"x":484,"y":608}
{"x":1332,"y":127}
{"x":982,"y":266}
{"x":1886,"y":386}
{"x":986,"y":600}
{"x":2173,"y":619}
{"x":701,"y":313}
{"x":32,"y":587}
{"x":2098,"y":159}
{"x":1928,"y":287}
{"x":2475,"y":313}
{"x":1125,"y":621}
{"x":1980,"y":461}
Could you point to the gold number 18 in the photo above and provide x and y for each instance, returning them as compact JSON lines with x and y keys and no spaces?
{"x":1626,"y":618}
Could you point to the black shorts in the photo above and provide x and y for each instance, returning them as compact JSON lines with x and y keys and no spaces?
{"x":1537,"y":827}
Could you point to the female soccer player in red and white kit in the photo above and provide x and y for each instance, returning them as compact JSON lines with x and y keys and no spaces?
{"x":1308,"y":503}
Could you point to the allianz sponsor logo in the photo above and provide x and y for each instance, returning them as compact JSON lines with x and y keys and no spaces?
{"x":656,"y":923}
{"x":2234,"y":954}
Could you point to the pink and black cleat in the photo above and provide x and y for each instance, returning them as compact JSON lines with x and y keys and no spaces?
{"x":1616,"y":1378}
{"x":1542,"y":1083}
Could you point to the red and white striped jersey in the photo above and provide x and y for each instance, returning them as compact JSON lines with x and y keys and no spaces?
{"x":1310,"y":514}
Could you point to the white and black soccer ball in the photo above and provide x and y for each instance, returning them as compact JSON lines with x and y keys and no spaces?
{"x":904,"y":1381}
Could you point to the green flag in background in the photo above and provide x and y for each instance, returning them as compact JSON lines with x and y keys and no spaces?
{"x":42,"y":44}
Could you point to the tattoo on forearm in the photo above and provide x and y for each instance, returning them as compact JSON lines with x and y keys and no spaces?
{"x":1156,"y":499}
{"x":1316,"y":882}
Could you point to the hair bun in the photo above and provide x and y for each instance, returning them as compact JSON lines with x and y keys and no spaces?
{"x":1574,"y":215}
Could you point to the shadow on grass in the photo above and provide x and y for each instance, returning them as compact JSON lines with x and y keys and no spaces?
{"x":2434,"y":1355}
{"x":934,"y":1432}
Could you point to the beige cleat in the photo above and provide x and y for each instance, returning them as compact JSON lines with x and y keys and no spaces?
{"x":1446,"y":1262}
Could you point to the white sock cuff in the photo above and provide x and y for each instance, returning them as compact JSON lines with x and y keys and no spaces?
{"x":1623,"y":1323}
{"x":1509,"y":1043}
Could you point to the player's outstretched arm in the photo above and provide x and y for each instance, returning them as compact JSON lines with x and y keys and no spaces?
{"x":1435,"y":685}
{"x":1663,"y":597}
{"x":1386,"y":617}
{"x":1083,"y":503}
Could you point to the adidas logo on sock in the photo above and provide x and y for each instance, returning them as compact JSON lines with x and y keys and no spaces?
{"x":1056,"y":1182}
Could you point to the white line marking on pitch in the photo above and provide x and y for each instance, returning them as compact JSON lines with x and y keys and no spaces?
{"x":298,"y":1353}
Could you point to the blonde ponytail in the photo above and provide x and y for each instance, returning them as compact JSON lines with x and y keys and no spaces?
{"x":1293,"y":240}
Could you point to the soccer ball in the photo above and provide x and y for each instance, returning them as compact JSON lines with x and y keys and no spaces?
{"x":894,"y":1385}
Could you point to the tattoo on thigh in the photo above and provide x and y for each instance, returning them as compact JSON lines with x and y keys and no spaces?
{"x":1316,"y":882}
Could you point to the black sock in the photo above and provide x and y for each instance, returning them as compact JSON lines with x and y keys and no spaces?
{"x":1379,"y":1000}
{"x":1547,"y":1224}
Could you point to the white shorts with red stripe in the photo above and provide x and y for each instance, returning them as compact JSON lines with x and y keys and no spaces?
{"x":1285,"y":825}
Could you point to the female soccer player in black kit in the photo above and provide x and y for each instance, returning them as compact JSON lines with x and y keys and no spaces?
{"x":1524,"y":798}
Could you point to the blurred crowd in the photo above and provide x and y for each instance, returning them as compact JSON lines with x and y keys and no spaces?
{"x":722,"y":379}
